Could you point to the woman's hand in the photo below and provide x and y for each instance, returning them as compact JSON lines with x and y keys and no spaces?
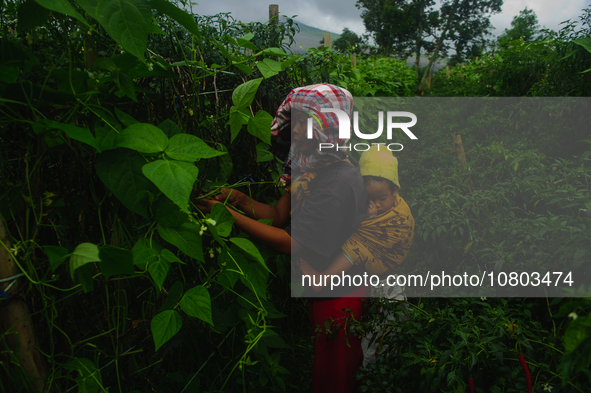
{"x":205,"y":204}
{"x":231,"y":196}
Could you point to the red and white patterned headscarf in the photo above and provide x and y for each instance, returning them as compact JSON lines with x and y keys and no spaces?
{"x":310,"y":99}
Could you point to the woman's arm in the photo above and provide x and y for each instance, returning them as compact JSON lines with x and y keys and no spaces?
{"x":276,"y":238}
{"x":257,"y":210}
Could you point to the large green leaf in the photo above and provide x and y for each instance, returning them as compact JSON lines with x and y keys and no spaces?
{"x":170,"y":128}
{"x":288,"y":62}
{"x":260,"y":126}
{"x":83,"y":254}
{"x":144,"y":138}
{"x":584,"y":42}
{"x":125,"y":118}
{"x":263,"y":153}
{"x":165,"y":325}
{"x":78,"y":133}
{"x":272,"y":51}
{"x":217,"y":170}
{"x":64,"y":7}
{"x":115,"y":261}
{"x":186,"y":237}
{"x":145,"y":251}
{"x":168,"y":213}
{"x":121,"y":171}
{"x":242,"y":67}
{"x":126,"y":21}
{"x":269,"y":67}
{"x":9,"y":74}
{"x":56,"y":255}
{"x":104,"y":64}
{"x":244,"y":94}
{"x":197,"y":303}
{"x":106,"y":138}
{"x":223,"y":218}
{"x":250,"y":249}
{"x":182,"y":17}
{"x":238,"y":117}
{"x":235,"y":122}
{"x":144,"y":257}
{"x":125,"y":84}
{"x":170,"y":257}
{"x":185,"y":147}
{"x":255,"y":278}
{"x":158,"y":269}
{"x":81,"y":268}
{"x":174,"y":178}
{"x":244,"y":42}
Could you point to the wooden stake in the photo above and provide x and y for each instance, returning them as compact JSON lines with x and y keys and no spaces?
{"x":7,"y":266}
{"x":273,"y":22}
{"x":15,"y":318}
{"x":20,"y":334}
{"x":353,"y":61}
{"x":327,"y":40}
{"x":274,"y":13}
{"x":459,"y":148}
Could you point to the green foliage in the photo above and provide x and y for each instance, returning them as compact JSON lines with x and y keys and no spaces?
{"x":197,"y":303}
{"x":523,"y":26}
{"x":557,"y":66}
{"x":521,"y":201}
{"x":164,"y":326}
{"x":403,"y":27}
{"x":376,"y":76}
{"x":577,"y":339}
{"x":400,"y":27}
{"x":86,"y":119}
{"x":350,"y":43}
{"x":384,"y":77}
{"x":127,"y":22}
{"x":448,"y":341}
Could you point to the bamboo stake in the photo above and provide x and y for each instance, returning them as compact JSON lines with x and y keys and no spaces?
{"x":459,"y":148}
{"x":274,"y":13}
{"x":327,"y":40}
{"x":274,"y":22}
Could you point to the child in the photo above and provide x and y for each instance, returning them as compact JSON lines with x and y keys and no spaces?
{"x":384,"y":238}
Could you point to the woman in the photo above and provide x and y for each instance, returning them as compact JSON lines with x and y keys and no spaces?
{"x":326,"y":201}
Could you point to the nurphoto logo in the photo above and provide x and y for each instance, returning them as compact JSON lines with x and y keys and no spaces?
{"x":345,"y":129}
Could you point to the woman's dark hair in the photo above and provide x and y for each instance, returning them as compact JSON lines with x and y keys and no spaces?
{"x":393,"y":187}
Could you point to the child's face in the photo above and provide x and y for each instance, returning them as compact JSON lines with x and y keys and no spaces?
{"x":380,"y":196}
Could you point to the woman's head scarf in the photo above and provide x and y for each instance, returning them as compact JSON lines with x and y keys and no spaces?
{"x":310,"y":99}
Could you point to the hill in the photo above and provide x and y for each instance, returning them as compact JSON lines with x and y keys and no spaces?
{"x":309,"y":37}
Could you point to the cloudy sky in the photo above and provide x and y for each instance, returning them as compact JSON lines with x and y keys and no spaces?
{"x":334,"y":15}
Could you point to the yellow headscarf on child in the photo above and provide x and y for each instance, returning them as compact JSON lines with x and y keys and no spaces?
{"x":379,"y":161}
